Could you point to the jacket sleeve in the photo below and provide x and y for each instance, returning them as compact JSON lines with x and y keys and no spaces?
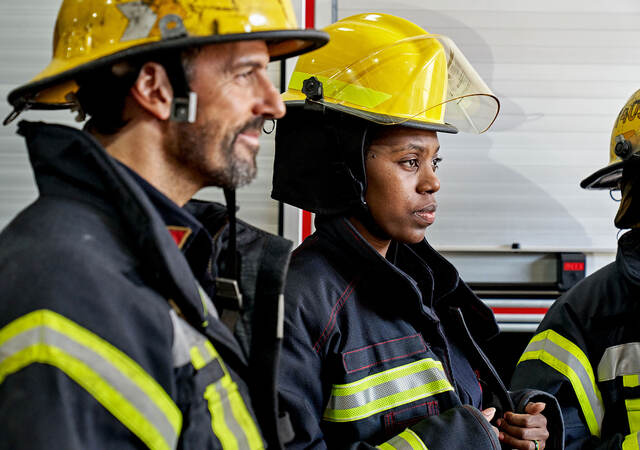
{"x":75,"y":372}
{"x":304,"y":396}
{"x":556,"y":361}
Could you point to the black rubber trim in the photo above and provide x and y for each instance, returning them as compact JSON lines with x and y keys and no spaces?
{"x":314,"y":39}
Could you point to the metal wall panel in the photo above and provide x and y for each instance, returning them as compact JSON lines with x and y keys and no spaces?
{"x":26,"y":30}
{"x":562,"y":70}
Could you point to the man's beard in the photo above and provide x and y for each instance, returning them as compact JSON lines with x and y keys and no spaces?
{"x":233,"y":172}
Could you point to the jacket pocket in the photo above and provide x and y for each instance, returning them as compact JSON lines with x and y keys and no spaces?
{"x":383,"y":352}
{"x":399,"y":419}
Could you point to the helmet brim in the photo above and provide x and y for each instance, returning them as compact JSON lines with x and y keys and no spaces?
{"x":282,"y":44}
{"x":606,"y":178}
{"x":380,"y":119}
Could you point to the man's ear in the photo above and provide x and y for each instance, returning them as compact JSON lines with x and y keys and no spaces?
{"x":152,"y":90}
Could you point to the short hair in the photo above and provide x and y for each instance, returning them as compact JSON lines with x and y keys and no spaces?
{"x":102,"y":93}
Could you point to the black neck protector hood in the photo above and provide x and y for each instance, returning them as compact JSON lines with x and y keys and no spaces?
{"x":319,"y":160}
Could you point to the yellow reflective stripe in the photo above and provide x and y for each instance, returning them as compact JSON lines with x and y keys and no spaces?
{"x":340,"y":90}
{"x":568,"y":359}
{"x":230,"y":419}
{"x":631,"y":442}
{"x":630,"y":381}
{"x":386,"y":390}
{"x":633,"y":414}
{"x":110,"y":376}
{"x":407,"y":440}
{"x":197,"y":359}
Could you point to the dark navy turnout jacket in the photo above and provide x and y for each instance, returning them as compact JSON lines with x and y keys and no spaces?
{"x":586,"y":352}
{"x":383,"y":351}
{"x":107,"y":339}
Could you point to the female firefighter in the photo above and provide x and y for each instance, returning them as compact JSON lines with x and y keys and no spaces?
{"x":380,"y":332}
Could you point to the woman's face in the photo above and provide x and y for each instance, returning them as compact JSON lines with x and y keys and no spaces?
{"x":401,"y":182}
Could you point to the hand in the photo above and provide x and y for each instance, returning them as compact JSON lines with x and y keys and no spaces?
{"x":520,"y":430}
{"x":488,"y":414}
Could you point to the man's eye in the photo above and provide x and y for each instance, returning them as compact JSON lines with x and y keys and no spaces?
{"x":435,"y":163}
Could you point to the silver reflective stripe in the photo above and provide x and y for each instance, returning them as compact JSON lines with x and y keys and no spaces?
{"x":180,"y":350}
{"x":399,"y":443}
{"x":383,"y":390}
{"x":407,"y":440}
{"x":208,"y":304}
{"x":119,"y":381}
{"x":185,"y":337}
{"x":574,"y":364}
{"x":619,"y":360}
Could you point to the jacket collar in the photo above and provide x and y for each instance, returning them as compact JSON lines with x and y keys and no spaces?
{"x":418,"y":265}
{"x":71,"y":163}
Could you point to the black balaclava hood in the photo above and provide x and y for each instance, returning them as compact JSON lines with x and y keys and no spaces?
{"x":319,"y":160}
{"x":628,"y":215}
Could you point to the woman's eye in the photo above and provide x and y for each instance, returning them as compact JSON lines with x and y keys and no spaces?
{"x":411,"y":163}
{"x":435,"y":163}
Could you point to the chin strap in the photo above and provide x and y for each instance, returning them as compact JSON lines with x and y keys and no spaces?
{"x":228,"y":295}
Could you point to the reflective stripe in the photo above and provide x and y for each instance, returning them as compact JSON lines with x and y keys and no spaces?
{"x":630,"y":380}
{"x":129,"y":393}
{"x":631,"y":442}
{"x":568,"y":359}
{"x":386,"y":390}
{"x":351,"y":93}
{"x":633,"y":414}
{"x":231,"y":421}
{"x":407,"y":440}
{"x":619,"y":360}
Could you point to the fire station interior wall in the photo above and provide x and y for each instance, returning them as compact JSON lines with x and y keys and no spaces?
{"x":562,"y":70}
{"x":26,"y":30}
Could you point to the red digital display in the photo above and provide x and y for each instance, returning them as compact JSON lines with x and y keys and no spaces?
{"x":573,"y":266}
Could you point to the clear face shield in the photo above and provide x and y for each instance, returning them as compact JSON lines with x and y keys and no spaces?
{"x":424,"y":79}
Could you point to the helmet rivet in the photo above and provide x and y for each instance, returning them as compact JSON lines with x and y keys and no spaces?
{"x":312,"y":88}
{"x":623,"y":149}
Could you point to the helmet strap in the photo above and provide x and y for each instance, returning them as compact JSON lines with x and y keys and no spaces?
{"x":185,"y":102}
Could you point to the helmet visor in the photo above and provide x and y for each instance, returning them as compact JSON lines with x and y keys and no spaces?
{"x":423,"y":78}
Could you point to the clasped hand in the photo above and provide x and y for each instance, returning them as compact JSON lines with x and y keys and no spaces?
{"x":520,"y":431}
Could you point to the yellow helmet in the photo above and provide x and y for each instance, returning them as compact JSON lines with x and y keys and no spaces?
{"x":90,"y":34}
{"x":625,"y":143}
{"x":390,"y":71}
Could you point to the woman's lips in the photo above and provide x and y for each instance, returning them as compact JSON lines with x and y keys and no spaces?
{"x":427,"y":214}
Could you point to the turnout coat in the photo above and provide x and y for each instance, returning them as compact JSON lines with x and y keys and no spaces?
{"x":107,"y":340}
{"x":385,"y":351}
{"x":586,"y":351}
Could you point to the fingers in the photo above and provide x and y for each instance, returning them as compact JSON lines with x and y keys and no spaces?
{"x":534,"y":408}
{"x":527,"y":434}
{"x":520,"y":444}
{"x":489,"y":413}
{"x":526,"y":420}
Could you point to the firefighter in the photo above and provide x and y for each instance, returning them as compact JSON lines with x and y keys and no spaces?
{"x":586,"y":351}
{"x":380,"y":332}
{"x":126,"y":316}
